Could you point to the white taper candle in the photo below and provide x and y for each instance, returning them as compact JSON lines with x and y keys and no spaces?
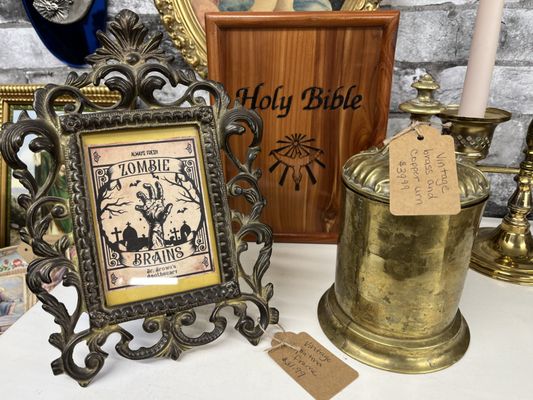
{"x":482,"y":59}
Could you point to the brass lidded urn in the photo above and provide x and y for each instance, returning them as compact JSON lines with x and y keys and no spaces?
{"x":394,"y":304}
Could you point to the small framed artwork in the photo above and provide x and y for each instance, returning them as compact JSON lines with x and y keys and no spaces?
{"x":156,"y":222}
{"x":185,"y":19}
{"x":15,"y":298}
{"x":14,"y":99}
{"x":148,"y":201}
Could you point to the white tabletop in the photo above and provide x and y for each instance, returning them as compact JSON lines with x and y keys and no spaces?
{"x":498,"y":365}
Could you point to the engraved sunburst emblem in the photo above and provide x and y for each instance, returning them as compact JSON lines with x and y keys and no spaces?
{"x":296,"y":152}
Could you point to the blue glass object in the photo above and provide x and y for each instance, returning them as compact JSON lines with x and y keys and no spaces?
{"x":73,"y":42}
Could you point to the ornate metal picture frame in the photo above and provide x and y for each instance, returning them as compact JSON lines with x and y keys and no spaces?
{"x":131,"y":64}
{"x":184,"y":22}
{"x":161,"y":176}
{"x":14,"y":99}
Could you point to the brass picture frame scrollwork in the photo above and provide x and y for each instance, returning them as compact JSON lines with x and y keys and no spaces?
{"x":133,"y":66}
{"x":188,"y":34}
{"x":14,"y":99}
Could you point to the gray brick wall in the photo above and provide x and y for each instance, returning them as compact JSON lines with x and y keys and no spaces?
{"x":434,"y":36}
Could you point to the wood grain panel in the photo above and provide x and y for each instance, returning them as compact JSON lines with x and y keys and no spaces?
{"x":301,"y":60}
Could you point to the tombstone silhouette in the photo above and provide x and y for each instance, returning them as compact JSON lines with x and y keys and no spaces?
{"x":185,"y":230}
{"x":131,"y":239}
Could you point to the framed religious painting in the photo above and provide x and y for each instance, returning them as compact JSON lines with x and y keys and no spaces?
{"x":15,"y":99}
{"x":184,"y":20}
{"x":156,"y":241}
{"x":322,"y":84}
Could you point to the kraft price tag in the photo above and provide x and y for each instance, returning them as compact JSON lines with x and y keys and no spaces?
{"x":311,"y":365}
{"x":423,"y":173}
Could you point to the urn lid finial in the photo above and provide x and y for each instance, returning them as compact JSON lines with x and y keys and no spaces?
{"x":424,"y":106}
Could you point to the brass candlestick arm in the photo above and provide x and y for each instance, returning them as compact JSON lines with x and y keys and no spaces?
{"x":497,"y":169}
{"x":506,"y":253}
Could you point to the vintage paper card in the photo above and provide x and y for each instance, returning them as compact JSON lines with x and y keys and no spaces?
{"x":310,"y":364}
{"x":423,"y":173}
{"x":151,"y":212}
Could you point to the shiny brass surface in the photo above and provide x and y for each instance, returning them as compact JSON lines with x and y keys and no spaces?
{"x":411,"y":356}
{"x":394,"y":304}
{"x":424,"y":106}
{"x":497,"y":169}
{"x":472,"y":136}
{"x":360,"y":5}
{"x":506,"y":253}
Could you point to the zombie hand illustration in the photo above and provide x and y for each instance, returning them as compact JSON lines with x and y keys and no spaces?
{"x":155,"y":213}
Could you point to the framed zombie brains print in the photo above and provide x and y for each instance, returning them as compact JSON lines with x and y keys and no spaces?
{"x":148,"y":201}
{"x":151,"y":213}
{"x":154,"y":214}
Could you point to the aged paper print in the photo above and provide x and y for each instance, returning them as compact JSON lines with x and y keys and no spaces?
{"x":150,"y":210}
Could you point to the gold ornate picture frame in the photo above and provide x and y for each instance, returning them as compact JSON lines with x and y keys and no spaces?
{"x":14,"y":99}
{"x":148,"y":198}
{"x":184,"y":22}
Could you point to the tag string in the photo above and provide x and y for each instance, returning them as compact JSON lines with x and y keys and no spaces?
{"x":415,"y":126}
{"x":281,"y":343}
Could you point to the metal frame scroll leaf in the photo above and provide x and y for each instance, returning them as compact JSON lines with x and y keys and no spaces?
{"x":132,"y":64}
{"x":19,"y":97}
{"x":188,"y":35}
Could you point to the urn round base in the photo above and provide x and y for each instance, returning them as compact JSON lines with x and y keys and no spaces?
{"x":410,"y":356}
{"x":486,"y":259}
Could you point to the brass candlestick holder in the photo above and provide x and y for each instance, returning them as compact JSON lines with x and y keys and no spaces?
{"x":472,"y":136}
{"x":505,"y":252}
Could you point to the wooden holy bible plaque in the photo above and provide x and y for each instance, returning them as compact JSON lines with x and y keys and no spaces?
{"x":321,"y":82}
